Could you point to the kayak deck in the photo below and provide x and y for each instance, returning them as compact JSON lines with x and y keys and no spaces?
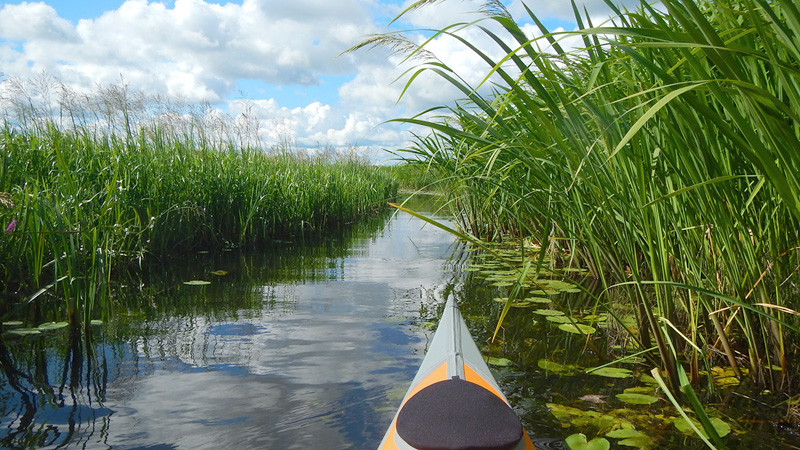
{"x":454,"y":402}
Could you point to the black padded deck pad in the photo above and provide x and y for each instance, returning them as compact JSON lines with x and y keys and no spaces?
{"x":458,"y":415}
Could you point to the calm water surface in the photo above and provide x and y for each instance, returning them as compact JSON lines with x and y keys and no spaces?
{"x":303,"y":346}
{"x":312,"y":345}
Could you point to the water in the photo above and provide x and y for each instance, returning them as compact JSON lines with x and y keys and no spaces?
{"x":312,"y":345}
{"x":309,"y":345}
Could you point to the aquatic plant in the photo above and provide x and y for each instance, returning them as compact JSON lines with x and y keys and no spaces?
{"x":88,"y":201}
{"x":658,"y":156}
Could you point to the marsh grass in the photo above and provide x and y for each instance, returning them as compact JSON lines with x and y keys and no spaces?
{"x":661,"y":156}
{"x":91,"y":200}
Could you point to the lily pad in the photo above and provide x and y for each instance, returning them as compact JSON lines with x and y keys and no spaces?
{"x":538,"y":300}
{"x":197,"y":282}
{"x":12,"y":323}
{"x":559,"y":319}
{"x":722,"y":428}
{"x":612,"y":372}
{"x":548,"y":312}
{"x":96,"y":323}
{"x":578,"y":442}
{"x":23,"y":331}
{"x":624,"y":433}
{"x":555,"y":367}
{"x":577,"y":328}
{"x":564,"y":413}
{"x":219,"y":273}
{"x":500,"y":362}
{"x":52,"y":326}
{"x":637,"y":399}
{"x":638,"y":442}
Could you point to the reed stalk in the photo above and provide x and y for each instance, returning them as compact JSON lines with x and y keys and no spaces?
{"x":660,"y":155}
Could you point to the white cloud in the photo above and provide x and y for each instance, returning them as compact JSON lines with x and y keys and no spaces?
{"x":198,"y":51}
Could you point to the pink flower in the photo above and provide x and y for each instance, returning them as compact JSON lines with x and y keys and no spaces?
{"x":11,"y":226}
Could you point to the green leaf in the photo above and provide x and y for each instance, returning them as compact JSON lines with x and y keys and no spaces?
{"x":12,"y":323}
{"x":559,"y":319}
{"x":555,"y":367}
{"x":500,"y":362}
{"x":612,"y":372}
{"x":637,"y":399}
{"x":577,"y":328}
{"x":638,"y":442}
{"x":624,"y":433}
{"x":197,"y":282}
{"x":23,"y":331}
{"x":578,"y":442}
{"x":95,"y":323}
{"x":52,"y":326}
{"x":721,"y":427}
{"x":548,"y":312}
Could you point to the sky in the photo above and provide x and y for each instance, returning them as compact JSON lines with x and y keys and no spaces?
{"x":277,"y":60}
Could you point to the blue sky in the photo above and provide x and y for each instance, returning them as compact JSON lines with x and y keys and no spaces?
{"x":276,"y":59}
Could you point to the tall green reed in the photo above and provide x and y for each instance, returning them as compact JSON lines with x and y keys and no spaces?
{"x":90,"y":204}
{"x":658,"y":155}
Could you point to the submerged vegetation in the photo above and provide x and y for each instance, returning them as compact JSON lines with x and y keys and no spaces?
{"x":89,"y":194}
{"x":660,"y":155}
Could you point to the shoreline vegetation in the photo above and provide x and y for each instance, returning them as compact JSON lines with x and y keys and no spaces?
{"x":90,"y":193}
{"x":658,"y":151}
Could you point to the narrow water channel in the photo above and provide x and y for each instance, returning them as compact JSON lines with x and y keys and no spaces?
{"x":307,"y":345}
{"x":312,"y":344}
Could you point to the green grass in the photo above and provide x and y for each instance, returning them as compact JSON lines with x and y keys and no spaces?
{"x":661,"y":156}
{"x":88,"y":205}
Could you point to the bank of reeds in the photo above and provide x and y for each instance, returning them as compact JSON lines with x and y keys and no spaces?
{"x":661,"y":155}
{"x":85,"y":203}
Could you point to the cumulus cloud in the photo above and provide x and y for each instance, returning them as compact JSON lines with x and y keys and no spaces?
{"x":199,"y":51}
{"x":195,"y":49}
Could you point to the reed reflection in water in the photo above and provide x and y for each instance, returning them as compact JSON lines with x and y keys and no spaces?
{"x":298,"y":346}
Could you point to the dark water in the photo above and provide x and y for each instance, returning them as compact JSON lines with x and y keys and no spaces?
{"x":310,"y":345}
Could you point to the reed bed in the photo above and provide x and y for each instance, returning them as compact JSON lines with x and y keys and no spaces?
{"x":81,"y":205}
{"x":661,"y":155}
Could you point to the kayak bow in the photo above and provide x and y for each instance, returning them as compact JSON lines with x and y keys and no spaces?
{"x":454,"y":402}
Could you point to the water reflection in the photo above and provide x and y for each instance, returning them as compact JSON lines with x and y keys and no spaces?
{"x":301,"y":345}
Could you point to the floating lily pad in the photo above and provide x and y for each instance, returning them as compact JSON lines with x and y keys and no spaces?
{"x":500,"y":362}
{"x":640,"y":390}
{"x":548,"y":312}
{"x":197,"y":282}
{"x":96,"y":323}
{"x":52,"y":326}
{"x":559,"y":319}
{"x":564,"y":413}
{"x":521,"y":305}
{"x":721,"y":427}
{"x":637,"y":399}
{"x":612,"y":372}
{"x":538,"y":300}
{"x":555,"y":367}
{"x":219,"y":273}
{"x":638,"y":442}
{"x":647,"y":379}
{"x":624,"y":433}
{"x":23,"y":331}
{"x":578,"y":442}
{"x":577,"y":328}
{"x":12,"y":323}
